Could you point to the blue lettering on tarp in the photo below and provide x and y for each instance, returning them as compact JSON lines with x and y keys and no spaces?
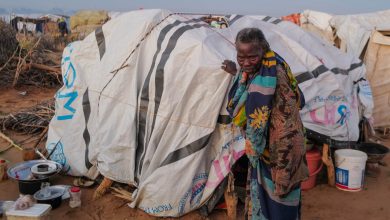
{"x":71,"y":75}
{"x":342,"y":176}
{"x":69,"y":78}
{"x":157,"y":209}
{"x":365,"y":89}
{"x":72,"y":97}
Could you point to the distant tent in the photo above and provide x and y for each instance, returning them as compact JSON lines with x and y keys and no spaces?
{"x":377,"y":60}
{"x":354,"y":31}
{"x":367,"y":36}
{"x":318,"y":23}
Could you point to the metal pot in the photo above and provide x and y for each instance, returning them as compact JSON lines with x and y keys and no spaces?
{"x":55,"y":196}
{"x":30,"y":187}
{"x":28,"y":182}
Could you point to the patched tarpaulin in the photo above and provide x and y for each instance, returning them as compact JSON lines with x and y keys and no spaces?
{"x":144,"y":97}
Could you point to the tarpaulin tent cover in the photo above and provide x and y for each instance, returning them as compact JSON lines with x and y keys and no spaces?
{"x":377,"y":59}
{"x":355,"y":30}
{"x":318,"y":23}
{"x":143,"y":102}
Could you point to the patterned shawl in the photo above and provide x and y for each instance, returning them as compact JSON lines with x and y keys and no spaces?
{"x":268,"y":111}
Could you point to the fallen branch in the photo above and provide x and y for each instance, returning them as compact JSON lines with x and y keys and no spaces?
{"x":11,"y":142}
{"x":6,"y":63}
{"x":42,"y":136}
{"x":22,"y":62}
{"x":45,"y":68}
{"x":122,"y":193}
{"x":103,"y":187}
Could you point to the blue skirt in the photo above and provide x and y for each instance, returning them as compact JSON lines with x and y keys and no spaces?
{"x":261,"y":204}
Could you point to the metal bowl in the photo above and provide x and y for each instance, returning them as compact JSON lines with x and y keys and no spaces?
{"x":22,"y":171}
{"x":54,"y":199}
{"x":375,"y":152}
{"x":28,"y":182}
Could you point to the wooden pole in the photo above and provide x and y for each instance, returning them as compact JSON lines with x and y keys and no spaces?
{"x":231,"y":198}
{"x":103,"y":188}
{"x":327,"y":159}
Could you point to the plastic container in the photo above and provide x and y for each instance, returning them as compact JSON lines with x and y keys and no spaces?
{"x":35,"y":212}
{"x":75,"y":197}
{"x":314,"y":164}
{"x":3,"y":169}
{"x":350,"y":166}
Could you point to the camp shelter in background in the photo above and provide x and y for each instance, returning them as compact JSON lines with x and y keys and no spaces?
{"x":44,"y":24}
{"x":318,"y":23}
{"x":377,"y":60}
{"x":84,"y":22}
{"x":365,"y":36}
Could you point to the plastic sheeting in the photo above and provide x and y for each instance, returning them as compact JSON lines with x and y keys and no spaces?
{"x":144,"y":99}
{"x":355,"y":30}
{"x":318,"y":23}
{"x":378,"y":74}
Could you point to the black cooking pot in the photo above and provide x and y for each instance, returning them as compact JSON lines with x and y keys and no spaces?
{"x":54,"y":199}
{"x":31,"y":186}
{"x":54,"y":202}
{"x":375,"y":152}
{"x":27,"y":181}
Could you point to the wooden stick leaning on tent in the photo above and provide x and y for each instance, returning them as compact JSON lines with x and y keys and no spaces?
{"x":103,"y":188}
{"x":327,"y":159}
{"x":231,"y":198}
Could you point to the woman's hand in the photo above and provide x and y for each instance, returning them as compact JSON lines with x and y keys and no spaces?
{"x":229,"y":66}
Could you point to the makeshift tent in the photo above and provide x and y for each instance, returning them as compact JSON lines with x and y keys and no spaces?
{"x":377,"y":59}
{"x":318,"y":23}
{"x":143,"y":102}
{"x":354,"y":30}
{"x":364,"y":36}
{"x":367,"y":36}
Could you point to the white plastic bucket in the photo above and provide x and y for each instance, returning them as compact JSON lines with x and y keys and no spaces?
{"x":350,"y":166}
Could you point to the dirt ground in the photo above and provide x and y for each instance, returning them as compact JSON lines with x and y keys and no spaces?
{"x":322,"y":202}
{"x":12,"y":100}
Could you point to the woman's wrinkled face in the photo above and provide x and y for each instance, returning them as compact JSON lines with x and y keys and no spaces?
{"x":249,"y":57}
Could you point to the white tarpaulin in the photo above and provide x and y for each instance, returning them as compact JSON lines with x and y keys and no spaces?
{"x":142,"y":96}
{"x":318,"y":23}
{"x":355,"y":30}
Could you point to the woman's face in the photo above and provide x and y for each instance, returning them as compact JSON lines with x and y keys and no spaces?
{"x":249,"y":57}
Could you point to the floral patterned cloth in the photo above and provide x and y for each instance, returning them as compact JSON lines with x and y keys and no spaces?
{"x":250,"y":104}
{"x":266,"y":107}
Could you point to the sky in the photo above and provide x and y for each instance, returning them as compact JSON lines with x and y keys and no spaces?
{"x":259,"y":7}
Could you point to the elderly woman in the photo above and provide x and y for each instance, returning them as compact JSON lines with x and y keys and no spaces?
{"x":264,"y":102}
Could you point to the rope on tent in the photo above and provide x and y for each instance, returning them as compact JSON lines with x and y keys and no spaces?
{"x":123,"y":65}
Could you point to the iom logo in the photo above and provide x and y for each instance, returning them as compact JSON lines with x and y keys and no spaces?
{"x":67,"y":92}
{"x":56,"y":149}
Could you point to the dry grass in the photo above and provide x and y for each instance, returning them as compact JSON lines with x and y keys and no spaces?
{"x":8,"y":42}
{"x":29,"y":121}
